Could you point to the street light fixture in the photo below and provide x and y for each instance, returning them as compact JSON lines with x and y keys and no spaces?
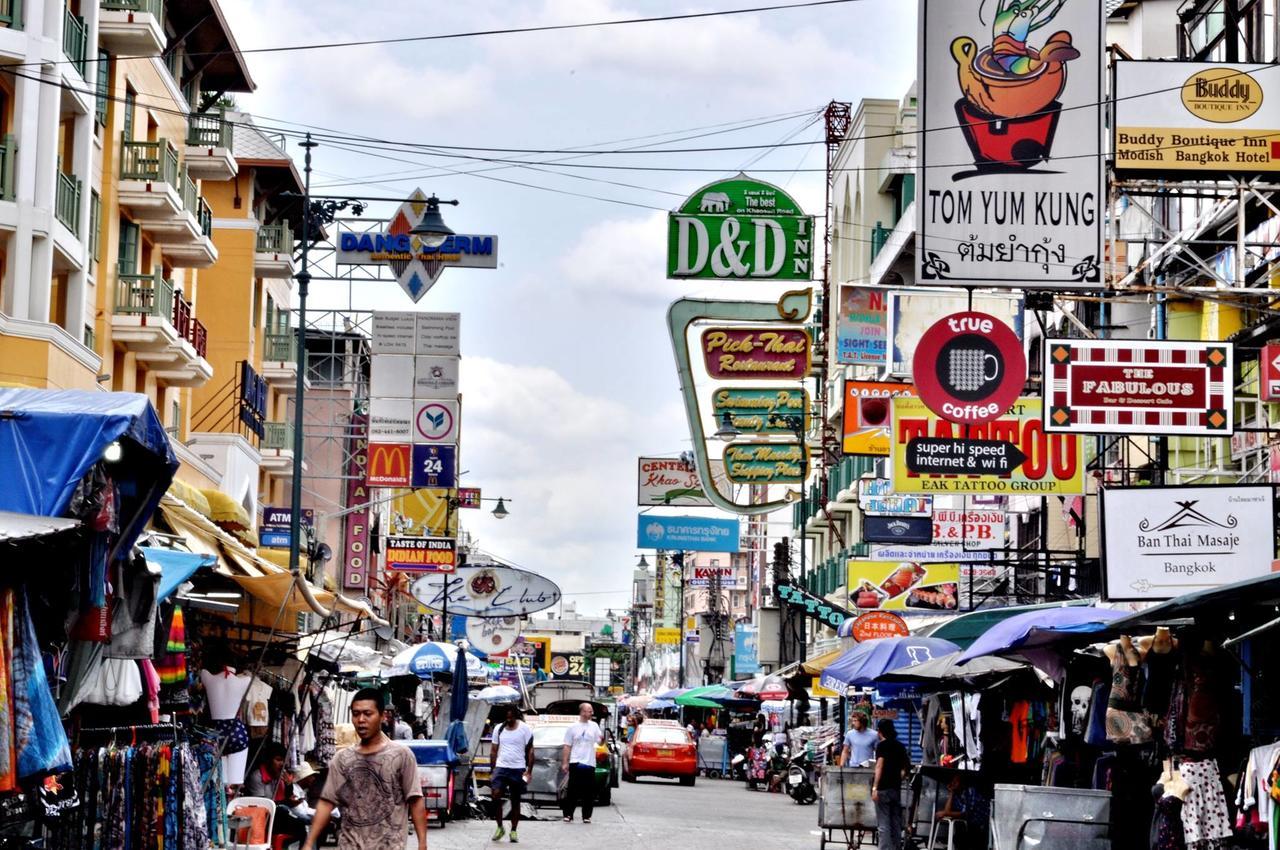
{"x":501,"y":512}
{"x":432,"y":230}
{"x":643,"y":563}
{"x":728,"y":431}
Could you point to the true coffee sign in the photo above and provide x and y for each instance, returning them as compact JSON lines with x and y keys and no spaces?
{"x":969,"y":368}
{"x":1139,"y":387}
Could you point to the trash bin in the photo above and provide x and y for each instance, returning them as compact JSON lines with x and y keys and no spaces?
{"x":1029,"y":817}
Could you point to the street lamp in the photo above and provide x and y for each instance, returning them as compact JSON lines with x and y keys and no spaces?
{"x":432,"y":230}
{"x":728,"y":431}
{"x":501,"y":512}
{"x":643,"y":563}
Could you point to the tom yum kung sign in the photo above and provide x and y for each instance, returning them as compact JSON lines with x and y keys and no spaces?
{"x":757,"y":352}
{"x":1139,"y":387}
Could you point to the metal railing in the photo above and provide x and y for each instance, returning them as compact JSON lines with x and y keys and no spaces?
{"x":275,"y":238}
{"x":151,"y":7}
{"x":8,"y":153}
{"x":11,"y":14}
{"x":75,"y":38}
{"x":204,"y":215}
{"x":188,"y":326}
{"x":150,"y":161}
{"x":144,"y":295}
{"x":278,"y":435}
{"x":281,"y":348}
{"x":198,"y":336}
{"x":879,"y":236}
{"x":210,"y":129}
{"x":66,"y":203}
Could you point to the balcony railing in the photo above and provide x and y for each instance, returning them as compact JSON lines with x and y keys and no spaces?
{"x":144,"y":295}
{"x":154,"y":7}
{"x":8,"y":152}
{"x":66,"y":204}
{"x":188,"y":326}
{"x":278,"y":435}
{"x":195,"y":204}
{"x":204,"y":215}
{"x":75,"y":38}
{"x":11,"y":14}
{"x":275,"y":239}
{"x":879,"y":236}
{"x":198,"y":336}
{"x":281,"y":348}
{"x":150,"y":161}
{"x":210,"y":129}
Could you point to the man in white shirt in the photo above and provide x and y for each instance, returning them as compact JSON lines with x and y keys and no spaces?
{"x":579,"y":762}
{"x":859,"y":742}
{"x":510,"y":765}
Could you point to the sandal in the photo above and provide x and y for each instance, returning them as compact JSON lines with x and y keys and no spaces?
{"x":570,"y":820}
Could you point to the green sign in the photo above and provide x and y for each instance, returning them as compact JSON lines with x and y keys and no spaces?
{"x":740,"y":229}
{"x":767,"y":463}
{"x":762,"y":410}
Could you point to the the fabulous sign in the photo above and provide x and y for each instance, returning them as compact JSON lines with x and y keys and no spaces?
{"x":1139,"y":387}
{"x":762,"y":410}
{"x":740,"y":229}
{"x":486,"y":590}
{"x":1162,"y":542}
{"x":415,"y":266}
{"x":757,"y":352}
{"x":1010,"y":188}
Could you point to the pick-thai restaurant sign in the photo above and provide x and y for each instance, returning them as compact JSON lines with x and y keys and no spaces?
{"x":486,"y":590}
{"x":767,"y":463}
{"x":671,"y":482}
{"x":740,"y":229}
{"x":1139,"y":387}
{"x":1211,"y":118}
{"x":867,"y":408}
{"x":1054,"y":463}
{"x":862,"y":326}
{"x":1162,"y":542}
{"x":756,"y":352}
{"x":1010,"y":189}
{"x":763,"y":410}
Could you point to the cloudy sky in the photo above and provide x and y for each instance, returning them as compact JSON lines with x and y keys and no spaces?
{"x":567,"y":371}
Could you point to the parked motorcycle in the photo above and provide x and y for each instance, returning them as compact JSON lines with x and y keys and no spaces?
{"x":799,"y":783}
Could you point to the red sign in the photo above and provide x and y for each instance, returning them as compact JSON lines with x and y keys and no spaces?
{"x":422,"y":554}
{"x":468,"y":497}
{"x":390,"y":465}
{"x":878,"y":624}
{"x":969,"y":368}
{"x":355,"y":531}
{"x":1269,"y":360}
{"x":756,"y":353}
{"x":1138,"y":387}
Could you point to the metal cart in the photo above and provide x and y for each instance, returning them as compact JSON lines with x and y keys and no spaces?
{"x":436,"y":760}
{"x":846,"y":812}
{"x":1029,"y":816}
{"x":713,"y":756}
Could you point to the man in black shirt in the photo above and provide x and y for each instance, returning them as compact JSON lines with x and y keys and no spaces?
{"x":892,"y":765}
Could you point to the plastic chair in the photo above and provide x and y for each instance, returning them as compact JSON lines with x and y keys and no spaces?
{"x":253,"y":802}
{"x":952,"y":824}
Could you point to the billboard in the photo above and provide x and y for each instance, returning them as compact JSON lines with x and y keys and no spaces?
{"x":422,"y":554}
{"x":1139,"y":387}
{"x":1010,"y":183}
{"x":687,"y":533}
{"x":746,"y":649}
{"x":866,"y":415}
{"x":906,"y":531}
{"x":862,"y":326}
{"x":1162,"y":542}
{"x":1054,"y":463}
{"x":671,"y":482}
{"x":423,"y":513}
{"x":1209,"y":118}
{"x":958,"y":536}
{"x":876,"y":498}
{"x":903,"y":586}
{"x":416,"y":333}
{"x":913,"y":313}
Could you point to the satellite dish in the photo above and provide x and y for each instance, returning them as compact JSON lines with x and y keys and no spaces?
{"x":385,"y":632}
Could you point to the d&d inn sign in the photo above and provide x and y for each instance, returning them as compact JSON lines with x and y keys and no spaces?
{"x":740,"y":229}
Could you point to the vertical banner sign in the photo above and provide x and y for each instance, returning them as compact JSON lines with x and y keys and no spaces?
{"x":740,"y":229}
{"x":862,"y":326}
{"x":355,"y":531}
{"x":1010,"y":190}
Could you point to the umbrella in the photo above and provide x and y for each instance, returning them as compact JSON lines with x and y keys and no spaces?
{"x":659,"y":705}
{"x":950,"y":669}
{"x":671,"y":693}
{"x":1032,"y":633}
{"x":495,"y":694}
{"x":638,"y":701}
{"x":765,"y":687}
{"x":866,"y":662}
{"x":458,"y":693}
{"x":431,"y":657}
{"x":704,"y":697}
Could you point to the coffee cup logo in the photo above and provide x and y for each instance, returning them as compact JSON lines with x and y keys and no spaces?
{"x":972,"y":369}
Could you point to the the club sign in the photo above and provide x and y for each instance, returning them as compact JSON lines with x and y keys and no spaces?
{"x":969,"y":368}
{"x":757,"y":353}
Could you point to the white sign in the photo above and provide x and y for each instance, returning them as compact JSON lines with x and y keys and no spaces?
{"x":439,"y":334}
{"x":391,"y":376}
{"x":670,"y":482}
{"x":435,"y":421}
{"x":1162,"y":542}
{"x":876,"y":498}
{"x":393,"y":333}
{"x":403,"y":332}
{"x":492,"y":635}
{"x":390,"y":420}
{"x":958,"y":537}
{"x":486,"y":590}
{"x":1010,"y":188}
{"x":435,"y":377}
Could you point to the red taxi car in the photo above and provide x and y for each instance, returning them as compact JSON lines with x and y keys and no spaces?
{"x":661,"y":748}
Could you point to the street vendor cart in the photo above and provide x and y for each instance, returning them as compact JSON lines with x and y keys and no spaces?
{"x":846,"y":812}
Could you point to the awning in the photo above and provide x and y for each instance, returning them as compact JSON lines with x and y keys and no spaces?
{"x":191,"y":496}
{"x":175,"y":567}
{"x":964,"y":629}
{"x":815,"y":666}
{"x":16,"y":528}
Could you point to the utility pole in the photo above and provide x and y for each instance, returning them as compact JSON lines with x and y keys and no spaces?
{"x":678,"y":560}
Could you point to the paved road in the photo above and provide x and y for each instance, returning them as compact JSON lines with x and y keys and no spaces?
{"x":658,"y":814}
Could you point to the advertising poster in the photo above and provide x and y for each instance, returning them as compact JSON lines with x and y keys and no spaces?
{"x":903,"y":531}
{"x":1010,"y":189}
{"x":422,"y":554}
{"x":526,"y":657}
{"x":876,"y":498}
{"x":1162,"y":542}
{"x":746,"y":649}
{"x":913,"y":313}
{"x":423,"y":513}
{"x":866,"y":415}
{"x":568,"y":665}
{"x":903,"y":586}
{"x":670,"y":482}
{"x":862,"y":326}
{"x":1209,"y":118}
{"x":1139,"y":387}
{"x":1054,"y":465}
{"x":959,"y":536}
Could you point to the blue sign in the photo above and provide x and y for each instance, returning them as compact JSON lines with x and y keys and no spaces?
{"x":746,"y":649}
{"x":687,"y":533}
{"x":273,"y":538}
{"x":897,"y":529}
{"x":434,"y":466}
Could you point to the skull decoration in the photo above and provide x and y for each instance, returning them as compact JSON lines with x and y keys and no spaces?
{"x":1079,"y":708}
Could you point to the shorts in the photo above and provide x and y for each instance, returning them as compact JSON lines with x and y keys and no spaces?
{"x":509,"y":778}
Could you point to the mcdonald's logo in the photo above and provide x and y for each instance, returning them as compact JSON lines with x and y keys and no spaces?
{"x":389,"y":464}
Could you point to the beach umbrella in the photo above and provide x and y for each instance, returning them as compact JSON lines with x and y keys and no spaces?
{"x":458,"y":692}
{"x":431,"y":657}
{"x":495,"y":694}
{"x":704,"y":697}
{"x":659,"y":705}
{"x":866,"y":662}
{"x":765,"y":687}
{"x":1031,"y":635}
{"x":671,"y":693}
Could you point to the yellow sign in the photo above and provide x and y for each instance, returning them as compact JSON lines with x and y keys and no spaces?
{"x":818,"y":691}
{"x":671,"y":636}
{"x":1054,"y":464}
{"x":904,"y":585}
{"x":423,"y":513}
{"x":1221,"y":95}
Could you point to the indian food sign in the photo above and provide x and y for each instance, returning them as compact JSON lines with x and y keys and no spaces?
{"x":1010,"y":190}
{"x":757,"y":352}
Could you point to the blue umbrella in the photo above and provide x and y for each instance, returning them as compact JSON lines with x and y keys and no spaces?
{"x":671,"y":693}
{"x":1031,"y":634}
{"x":458,"y":695}
{"x":866,"y":662}
{"x":659,"y":704}
{"x":426,"y":659}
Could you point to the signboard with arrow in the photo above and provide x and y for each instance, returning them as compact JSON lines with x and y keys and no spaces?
{"x":951,"y":456}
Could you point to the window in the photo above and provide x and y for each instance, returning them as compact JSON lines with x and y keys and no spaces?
{"x":130,"y":106}
{"x":104,"y":80}
{"x":127,"y":262}
{"x":95,"y":226}
{"x":647,"y":734}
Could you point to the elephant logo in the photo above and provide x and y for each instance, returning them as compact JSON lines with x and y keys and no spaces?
{"x":714,"y":202}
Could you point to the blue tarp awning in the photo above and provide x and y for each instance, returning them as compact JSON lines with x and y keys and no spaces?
{"x":175,"y":567}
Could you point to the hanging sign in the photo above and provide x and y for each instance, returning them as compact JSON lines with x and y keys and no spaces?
{"x":416,"y":333}
{"x":469,"y":497}
{"x":762,"y":410}
{"x":1054,"y":464}
{"x":687,"y":533}
{"x":492,"y":635}
{"x":1139,"y":387}
{"x":740,"y":229}
{"x":897,"y":529}
{"x":866,"y":415}
{"x":423,"y":513}
{"x":757,"y":352}
{"x":942,"y":455}
{"x":1269,"y":363}
{"x":390,"y":464}
{"x":665,"y":635}
{"x":862,"y":326}
{"x":672,"y":482}
{"x":355,"y":525}
{"x":969,"y":368}
{"x":906,"y":585}
{"x":913,"y":313}
{"x":486,"y":590}
{"x":876,"y":498}
{"x":435,"y":421}
{"x":415,"y":266}
{"x":422,"y":554}
{"x":813,"y":606}
{"x":875,"y":625}
{"x":1010,"y":187}
{"x":967,"y":537}
{"x":767,"y":463}
{"x":434,"y":466}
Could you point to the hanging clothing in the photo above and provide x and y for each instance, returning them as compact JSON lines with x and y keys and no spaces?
{"x":173,"y":664}
{"x":1204,"y":812}
{"x":1126,"y":722}
{"x":1096,"y":729}
{"x":1020,"y":721}
{"x":1204,"y":701}
{"x":1166,"y":827}
{"x":41,"y":742}
{"x":257,"y":704}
